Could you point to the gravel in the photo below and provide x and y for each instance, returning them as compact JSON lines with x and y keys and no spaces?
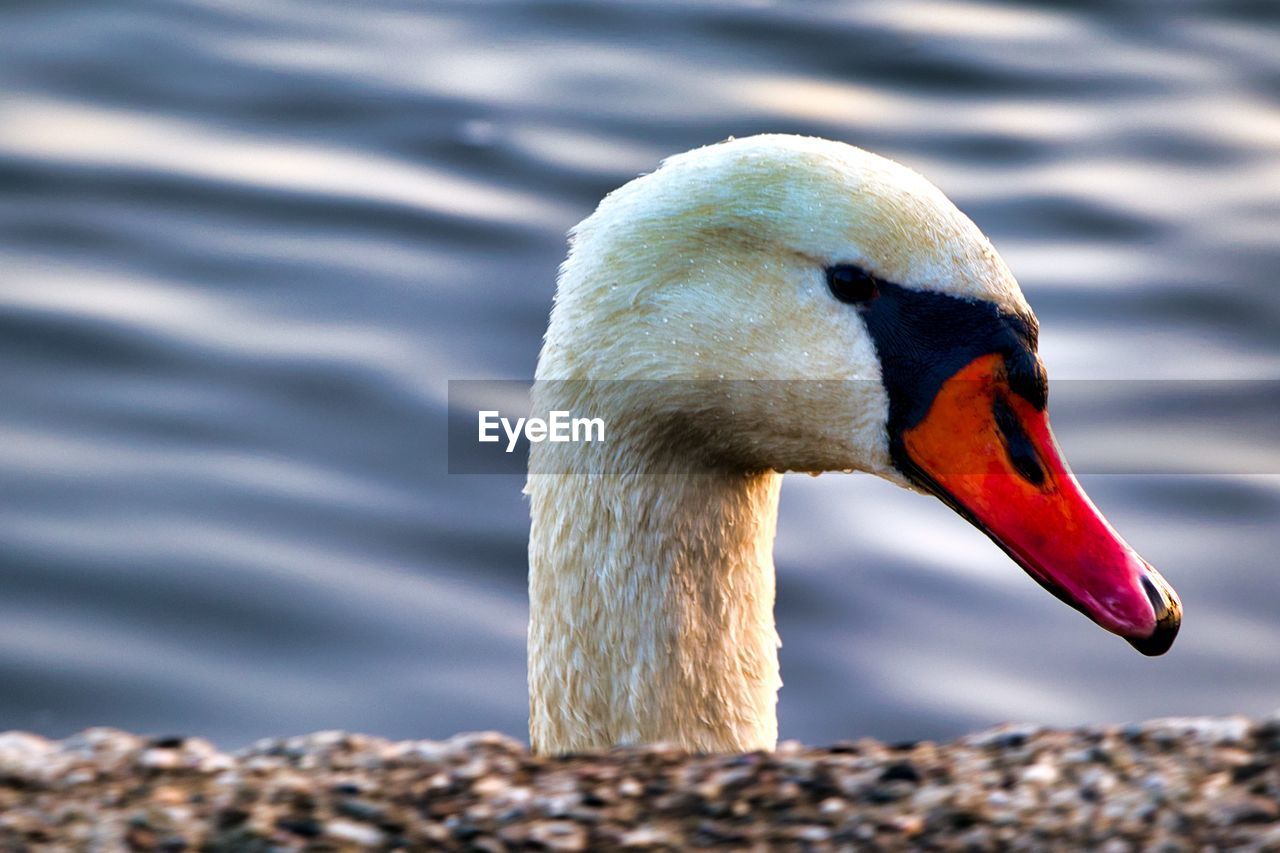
{"x":1165,"y":785}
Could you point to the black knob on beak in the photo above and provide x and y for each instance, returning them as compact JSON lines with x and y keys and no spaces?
{"x":1168,"y":610}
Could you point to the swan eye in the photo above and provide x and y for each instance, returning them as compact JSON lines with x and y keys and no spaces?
{"x":852,"y":284}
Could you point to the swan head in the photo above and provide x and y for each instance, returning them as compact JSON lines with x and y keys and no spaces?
{"x":795,"y":304}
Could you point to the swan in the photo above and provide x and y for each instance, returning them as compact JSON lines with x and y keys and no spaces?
{"x":908,"y":352}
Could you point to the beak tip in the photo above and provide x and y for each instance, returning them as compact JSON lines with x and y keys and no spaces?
{"x":1158,"y":643}
{"x":1161,"y":639}
{"x":1168,"y":611}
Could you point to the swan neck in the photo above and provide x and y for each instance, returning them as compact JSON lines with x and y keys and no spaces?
{"x":651,"y":607}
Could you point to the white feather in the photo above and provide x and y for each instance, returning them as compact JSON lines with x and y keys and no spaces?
{"x":651,"y":575}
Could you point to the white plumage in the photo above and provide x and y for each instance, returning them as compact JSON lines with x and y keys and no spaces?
{"x":651,"y":572}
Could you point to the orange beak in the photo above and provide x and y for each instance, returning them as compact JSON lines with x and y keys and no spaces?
{"x":990,"y":455}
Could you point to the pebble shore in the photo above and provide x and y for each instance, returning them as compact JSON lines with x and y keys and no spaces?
{"x":1166,"y":785}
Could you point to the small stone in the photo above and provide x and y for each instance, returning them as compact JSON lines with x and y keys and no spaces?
{"x":139,"y":837}
{"x":646,"y":836}
{"x":160,"y":758}
{"x":558,"y":835}
{"x":82,"y":776}
{"x":903,"y":771}
{"x":305,"y":827}
{"x":360,"y":809}
{"x":910,"y":824}
{"x":629,"y":787}
{"x":488,"y":786}
{"x":812,"y":834}
{"x":1040,"y":773}
{"x":1004,"y":737}
{"x":1099,"y":780}
{"x":930,"y":797}
{"x":356,"y":833}
{"x":24,"y":756}
{"x":832,"y":806}
{"x":168,"y":796}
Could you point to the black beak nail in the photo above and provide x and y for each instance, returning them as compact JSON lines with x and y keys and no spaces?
{"x":1168,"y":620}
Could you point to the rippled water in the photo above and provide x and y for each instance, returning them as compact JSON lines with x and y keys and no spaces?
{"x":245,"y":245}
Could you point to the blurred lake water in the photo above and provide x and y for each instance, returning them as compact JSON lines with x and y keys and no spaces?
{"x":245,"y":245}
